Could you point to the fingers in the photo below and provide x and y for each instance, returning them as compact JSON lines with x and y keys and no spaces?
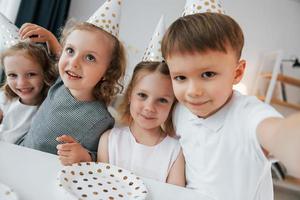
{"x":66,"y":139}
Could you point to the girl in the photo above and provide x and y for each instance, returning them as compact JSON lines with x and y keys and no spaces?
{"x":77,"y":102}
{"x":145,"y":142}
{"x":29,"y":74}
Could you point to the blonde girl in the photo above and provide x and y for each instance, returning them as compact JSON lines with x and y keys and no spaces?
{"x":29,"y":74}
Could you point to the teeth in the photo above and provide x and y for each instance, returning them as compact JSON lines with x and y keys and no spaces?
{"x":73,"y":74}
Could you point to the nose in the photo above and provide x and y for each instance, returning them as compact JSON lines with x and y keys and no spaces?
{"x":21,"y":81}
{"x":74,"y":61}
{"x":194,"y":89}
{"x":149,"y":106}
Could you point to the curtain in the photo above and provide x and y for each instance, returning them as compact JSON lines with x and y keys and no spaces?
{"x":50,"y":14}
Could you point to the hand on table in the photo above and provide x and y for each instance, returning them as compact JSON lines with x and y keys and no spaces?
{"x":71,"y":151}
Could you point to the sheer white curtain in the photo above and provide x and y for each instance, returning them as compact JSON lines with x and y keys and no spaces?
{"x":10,"y":8}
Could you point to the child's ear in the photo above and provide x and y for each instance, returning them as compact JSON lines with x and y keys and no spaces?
{"x":239,"y":71}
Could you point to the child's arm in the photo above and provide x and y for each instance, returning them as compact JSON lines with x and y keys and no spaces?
{"x":71,"y":151}
{"x":281,"y":138}
{"x":103,"y":148}
{"x":36,"y":33}
{"x":177,"y":172}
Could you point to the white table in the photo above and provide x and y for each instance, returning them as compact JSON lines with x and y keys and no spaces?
{"x":32,"y":175}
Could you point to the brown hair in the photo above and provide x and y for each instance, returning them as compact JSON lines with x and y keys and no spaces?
{"x":201,"y":32}
{"x":38,"y":53}
{"x":141,"y":69}
{"x":106,"y":89}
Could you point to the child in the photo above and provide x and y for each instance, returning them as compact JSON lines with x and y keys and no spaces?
{"x":227,"y":138}
{"x":143,"y":144}
{"x":29,"y":74}
{"x":77,"y":103}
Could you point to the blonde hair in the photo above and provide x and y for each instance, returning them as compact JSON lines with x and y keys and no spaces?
{"x":202,"y":32}
{"x":142,"y":69}
{"x":110,"y":84}
{"x":39,"y":54}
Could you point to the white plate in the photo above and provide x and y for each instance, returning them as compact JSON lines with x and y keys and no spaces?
{"x":7,"y":193}
{"x":100,"y":181}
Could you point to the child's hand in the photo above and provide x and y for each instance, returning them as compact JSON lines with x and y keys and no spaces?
{"x":36,"y":33}
{"x":71,"y":151}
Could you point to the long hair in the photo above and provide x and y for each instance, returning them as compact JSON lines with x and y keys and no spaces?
{"x":38,"y":54}
{"x":141,"y":69}
{"x":111,"y":83}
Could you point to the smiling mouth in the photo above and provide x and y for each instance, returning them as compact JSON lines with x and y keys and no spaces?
{"x":198,"y":103}
{"x":73,"y":75}
{"x":25,"y":90}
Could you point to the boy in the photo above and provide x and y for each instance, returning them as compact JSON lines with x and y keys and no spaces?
{"x":227,"y":138}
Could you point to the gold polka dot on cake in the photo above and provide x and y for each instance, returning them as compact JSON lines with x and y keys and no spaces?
{"x":79,"y":188}
{"x":95,"y":193}
{"x":120,"y":195}
{"x":105,"y":190}
{"x":119,"y":2}
{"x":111,"y":198}
{"x":73,"y":173}
{"x":66,"y":179}
{"x":99,"y":170}
{"x":108,"y":182}
{"x":199,"y":7}
{"x":84,"y":195}
{"x":213,"y":6}
{"x":107,"y":8}
{"x":113,"y":188}
{"x":213,"y":1}
{"x":107,"y":167}
{"x":90,"y":186}
{"x":206,"y":3}
{"x":81,"y":173}
{"x":113,"y":14}
{"x":106,"y":25}
{"x":103,"y":15}
{"x":75,"y":181}
{"x":131,"y":183}
{"x":103,"y":20}
{"x":119,"y":170}
{"x":112,"y":175}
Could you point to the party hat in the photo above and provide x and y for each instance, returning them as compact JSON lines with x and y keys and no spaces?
{"x":153,"y":51}
{"x":9,"y":33}
{"x":201,"y":6}
{"x":107,"y":17}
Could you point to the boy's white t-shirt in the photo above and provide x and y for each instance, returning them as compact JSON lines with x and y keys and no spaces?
{"x":223,"y":156}
{"x":16,"y":119}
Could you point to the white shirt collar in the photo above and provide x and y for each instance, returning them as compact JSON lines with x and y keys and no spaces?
{"x":216,"y":121}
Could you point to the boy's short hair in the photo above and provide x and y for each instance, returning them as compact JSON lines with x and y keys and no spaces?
{"x":202,"y":32}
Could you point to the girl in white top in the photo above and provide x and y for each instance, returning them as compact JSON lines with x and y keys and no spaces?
{"x":145,"y":145}
{"x":29,"y":74}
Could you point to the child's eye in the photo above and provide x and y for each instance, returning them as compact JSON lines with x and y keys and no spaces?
{"x":69,"y":50}
{"x":29,"y":75}
{"x":163,"y":100}
{"x":90,"y":58}
{"x":208,"y":74}
{"x":142,"y":95}
{"x":179,"y":78}
{"x":11,"y":75}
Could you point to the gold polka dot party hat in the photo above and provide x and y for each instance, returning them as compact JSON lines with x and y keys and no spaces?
{"x":107,"y":17}
{"x":153,"y":51}
{"x":9,"y":33}
{"x":201,"y":6}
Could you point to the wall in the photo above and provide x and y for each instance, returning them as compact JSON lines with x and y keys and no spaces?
{"x":268,"y":25}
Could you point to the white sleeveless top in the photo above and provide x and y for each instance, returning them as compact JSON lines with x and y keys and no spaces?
{"x":152,"y":162}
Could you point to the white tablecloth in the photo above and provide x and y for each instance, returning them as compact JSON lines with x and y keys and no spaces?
{"x":32,"y":175}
